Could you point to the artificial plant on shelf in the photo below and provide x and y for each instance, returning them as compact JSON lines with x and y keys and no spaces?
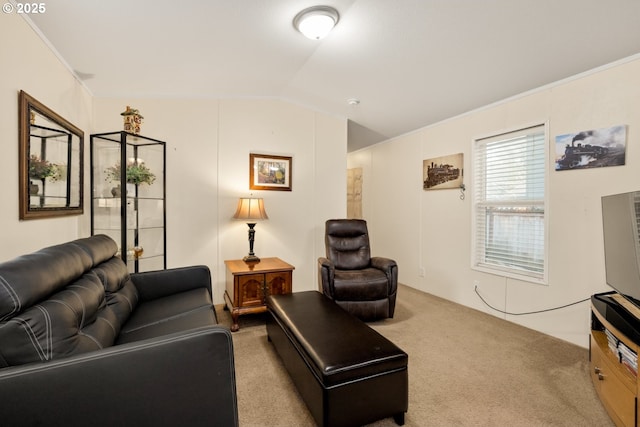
{"x":136,"y":173}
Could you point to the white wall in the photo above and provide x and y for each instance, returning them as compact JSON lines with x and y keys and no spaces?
{"x":432,"y":229}
{"x":208,"y":146}
{"x":29,"y":65}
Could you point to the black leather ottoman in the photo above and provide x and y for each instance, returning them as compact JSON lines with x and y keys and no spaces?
{"x":347,"y":373}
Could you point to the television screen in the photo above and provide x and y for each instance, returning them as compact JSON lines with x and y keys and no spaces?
{"x":621,"y":225}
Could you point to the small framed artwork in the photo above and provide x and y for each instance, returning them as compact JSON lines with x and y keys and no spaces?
{"x":442,"y":172}
{"x":267,"y":172}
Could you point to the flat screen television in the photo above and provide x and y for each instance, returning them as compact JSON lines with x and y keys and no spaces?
{"x":621,"y":231}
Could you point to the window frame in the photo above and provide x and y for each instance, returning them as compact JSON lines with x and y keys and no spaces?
{"x":479,"y":183}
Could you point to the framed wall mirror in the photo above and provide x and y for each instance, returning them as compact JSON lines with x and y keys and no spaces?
{"x":51,"y":162}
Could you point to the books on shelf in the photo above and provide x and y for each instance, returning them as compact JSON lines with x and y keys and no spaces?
{"x":628,"y":358}
{"x":624,"y":354}
{"x":612,"y":342}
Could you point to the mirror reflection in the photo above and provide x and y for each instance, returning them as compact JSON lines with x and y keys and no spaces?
{"x":51,"y":162}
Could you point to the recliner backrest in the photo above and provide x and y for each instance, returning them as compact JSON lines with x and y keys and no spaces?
{"x":347,"y":243}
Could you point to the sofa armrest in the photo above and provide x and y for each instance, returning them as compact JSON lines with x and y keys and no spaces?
{"x":171,"y":380}
{"x":161,"y":283}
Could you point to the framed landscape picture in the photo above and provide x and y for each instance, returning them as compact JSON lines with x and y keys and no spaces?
{"x":267,"y":172}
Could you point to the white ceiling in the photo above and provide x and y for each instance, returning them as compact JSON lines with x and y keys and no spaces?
{"x":411,"y":63}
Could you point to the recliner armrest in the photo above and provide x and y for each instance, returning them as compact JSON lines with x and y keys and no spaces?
{"x":171,"y":380}
{"x":325,"y":263}
{"x":326,"y":276}
{"x":390,"y":268}
{"x":384,"y":264}
{"x":161,"y":283}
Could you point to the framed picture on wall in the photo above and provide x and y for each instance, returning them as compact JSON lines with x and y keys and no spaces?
{"x":594,"y":148}
{"x":443,"y":172}
{"x":267,"y":172}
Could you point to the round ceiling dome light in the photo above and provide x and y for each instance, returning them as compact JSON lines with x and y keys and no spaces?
{"x":316,"y":22}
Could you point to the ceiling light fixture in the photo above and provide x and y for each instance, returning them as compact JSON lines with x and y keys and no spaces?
{"x":316,"y":22}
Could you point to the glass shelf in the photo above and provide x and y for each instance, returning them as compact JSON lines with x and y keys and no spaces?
{"x":133,"y":213}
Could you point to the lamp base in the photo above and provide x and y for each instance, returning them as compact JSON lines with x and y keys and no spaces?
{"x":251,"y":258}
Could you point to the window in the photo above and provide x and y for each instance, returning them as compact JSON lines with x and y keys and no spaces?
{"x":509,"y":204}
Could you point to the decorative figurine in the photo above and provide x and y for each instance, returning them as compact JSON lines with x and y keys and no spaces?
{"x":132,"y":120}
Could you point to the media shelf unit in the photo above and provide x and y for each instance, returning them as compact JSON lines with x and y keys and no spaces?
{"x":616,"y":384}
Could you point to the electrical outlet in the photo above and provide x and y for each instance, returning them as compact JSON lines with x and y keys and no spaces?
{"x":421,"y":272}
{"x":476,"y":283}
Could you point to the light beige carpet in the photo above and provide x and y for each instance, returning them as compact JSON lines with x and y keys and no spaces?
{"x":466,"y":368}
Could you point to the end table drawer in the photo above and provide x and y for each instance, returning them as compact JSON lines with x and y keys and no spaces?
{"x":248,"y":284}
{"x":251,"y":290}
{"x":278,"y":283}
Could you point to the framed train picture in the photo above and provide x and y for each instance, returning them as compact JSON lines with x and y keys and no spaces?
{"x":443,"y":172}
{"x":591,"y":148}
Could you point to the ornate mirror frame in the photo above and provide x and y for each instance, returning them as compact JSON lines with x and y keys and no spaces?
{"x":51,"y":168}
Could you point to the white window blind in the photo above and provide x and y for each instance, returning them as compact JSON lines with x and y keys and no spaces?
{"x":509,"y":204}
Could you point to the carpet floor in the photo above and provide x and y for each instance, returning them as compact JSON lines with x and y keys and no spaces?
{"x":466,"y":368}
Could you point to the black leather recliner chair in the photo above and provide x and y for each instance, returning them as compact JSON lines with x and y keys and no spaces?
{"x":363,"y":285}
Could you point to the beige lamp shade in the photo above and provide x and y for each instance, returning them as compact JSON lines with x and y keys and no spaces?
{"x":250,"y":209}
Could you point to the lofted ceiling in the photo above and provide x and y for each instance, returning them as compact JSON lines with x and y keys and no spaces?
{"x":411,"y":63}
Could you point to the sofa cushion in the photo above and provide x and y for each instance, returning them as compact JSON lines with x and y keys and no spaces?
{"x":71,"y":321}
{"x":170,"y":307}
{"x":29,"y":279}
{"x":99,"y":247}
{"x":200,"y":317}
{"x":121,"y":293}
{"x":369,"y":284}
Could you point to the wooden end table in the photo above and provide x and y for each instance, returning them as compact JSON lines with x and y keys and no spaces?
{"x":248,"y":284}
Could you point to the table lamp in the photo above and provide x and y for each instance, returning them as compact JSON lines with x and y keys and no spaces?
{"x":251,"y":209}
